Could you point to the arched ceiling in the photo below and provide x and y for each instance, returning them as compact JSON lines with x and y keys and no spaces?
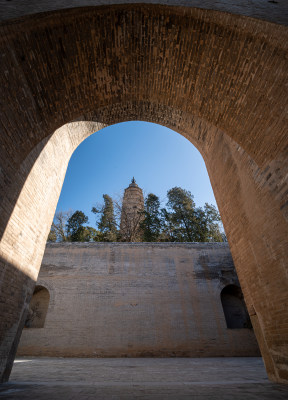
{"x":229,"y":71}
{"x":269,"y":10}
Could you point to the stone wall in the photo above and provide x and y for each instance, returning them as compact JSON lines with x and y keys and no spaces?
{"x":123,"y":299}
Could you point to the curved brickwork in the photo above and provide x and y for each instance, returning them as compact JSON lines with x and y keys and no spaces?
{"x":218,"y":79}
{"x":229,"y":67}
{"x":273,"y":11}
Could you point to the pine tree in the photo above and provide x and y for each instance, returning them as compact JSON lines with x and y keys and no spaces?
{"x":107,"y":223}
{"x":151,"y":223}
{"x":75,"y":228}
{"x":183,"y":222}
{"x":181,"y":213}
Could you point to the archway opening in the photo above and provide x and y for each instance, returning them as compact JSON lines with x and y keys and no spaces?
{"x":113,"y":302}
{"x":157,"y":157}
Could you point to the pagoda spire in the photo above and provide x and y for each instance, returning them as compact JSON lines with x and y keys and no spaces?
{"x":133,"y":183}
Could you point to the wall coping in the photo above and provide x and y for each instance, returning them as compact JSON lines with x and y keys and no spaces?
{"x":187,"y":245}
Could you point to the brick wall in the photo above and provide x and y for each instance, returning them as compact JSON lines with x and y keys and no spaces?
{"x":218,"y":79}
{"x":112,"y":299}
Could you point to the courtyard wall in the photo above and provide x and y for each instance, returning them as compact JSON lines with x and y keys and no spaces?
{"x":136,"y":299}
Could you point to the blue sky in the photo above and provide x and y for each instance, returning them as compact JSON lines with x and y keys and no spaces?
{"x":157,"y":157}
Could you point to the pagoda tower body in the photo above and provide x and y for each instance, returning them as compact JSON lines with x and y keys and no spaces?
{"x":132,"y":213}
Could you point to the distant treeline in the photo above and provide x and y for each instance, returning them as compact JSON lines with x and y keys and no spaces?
{"x":179,"y":221}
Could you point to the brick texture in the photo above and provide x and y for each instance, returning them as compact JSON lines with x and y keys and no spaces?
{"x":119,"y":300}
{"x":218,"y":79}
{"x":132,"y":213}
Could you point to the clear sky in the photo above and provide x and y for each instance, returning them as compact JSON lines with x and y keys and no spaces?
{"x":157,"y":157}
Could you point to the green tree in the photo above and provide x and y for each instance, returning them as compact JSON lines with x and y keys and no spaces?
{"x":183,"y":222}
{"x":106,"y":220}
{"x":75,"y":229}
{"x":213,"y":218}
{"x":58,"y":231}
{"x":167,"y":227}
{"x":86,"y":234}
{"x":151,"y":224}
{"x":180,"y":217}
{"x":52,"y":237}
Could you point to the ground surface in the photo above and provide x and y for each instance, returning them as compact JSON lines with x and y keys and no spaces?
{"x":141,"y":378}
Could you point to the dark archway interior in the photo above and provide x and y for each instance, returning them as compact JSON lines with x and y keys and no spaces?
{"x":234,"y":308}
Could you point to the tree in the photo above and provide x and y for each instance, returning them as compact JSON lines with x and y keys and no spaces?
{"x":180,"y":221}
{"x":91,"y":234}
{"x":167,"y":227}
{"x":85,"y":234}
{"x":183,"y":222}
{"x":180,"y":216}
{"x":107,"y":222}
{"x":75,"y":229}
{"x":151,"y":224}
{"x":212,"y":221}
{"x":58,"y":231}
{"x":52,"y":237}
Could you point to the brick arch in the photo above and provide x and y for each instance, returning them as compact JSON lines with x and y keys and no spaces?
{"x":219,"y":67}
{"x":218,"y":79}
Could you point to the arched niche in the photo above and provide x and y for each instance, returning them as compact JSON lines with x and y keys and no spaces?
{"x":38,"y":308}
{"x":234,"y":308}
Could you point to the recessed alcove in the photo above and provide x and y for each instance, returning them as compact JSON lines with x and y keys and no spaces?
{"x":38,"y":308}
{"x":234,"y":308}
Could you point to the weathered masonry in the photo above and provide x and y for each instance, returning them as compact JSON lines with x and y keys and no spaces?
{"x":215,"y":74}
{"x":132,"y":213}
{"x":123,"y":299}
